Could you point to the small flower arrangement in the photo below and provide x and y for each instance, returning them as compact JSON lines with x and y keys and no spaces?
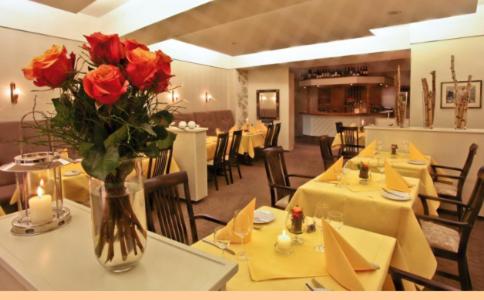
{"x":364,"y":170}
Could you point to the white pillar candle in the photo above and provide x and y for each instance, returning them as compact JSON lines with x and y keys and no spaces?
{"x":284,"y":241}
{"x":40,"y":208}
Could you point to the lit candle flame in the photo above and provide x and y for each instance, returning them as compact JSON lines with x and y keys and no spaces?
{"x":40,"y":190}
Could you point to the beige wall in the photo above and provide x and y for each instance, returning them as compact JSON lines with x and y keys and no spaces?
{"x":267,"y":78}
{"x":426,"y":57}
{"x":19,"y":47}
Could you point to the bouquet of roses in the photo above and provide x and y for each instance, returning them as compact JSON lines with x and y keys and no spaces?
{"x":107,"y":110}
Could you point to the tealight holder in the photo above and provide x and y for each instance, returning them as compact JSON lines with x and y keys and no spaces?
{"x":39,"y":192}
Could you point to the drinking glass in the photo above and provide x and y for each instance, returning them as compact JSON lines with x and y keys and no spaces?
{"x":321,"y":213}
{"x":379,"y":146}
{"x":405,"y":146}
{"x":335,"y":218}
{"x":241,"y":228}
{"x":223,"y":243}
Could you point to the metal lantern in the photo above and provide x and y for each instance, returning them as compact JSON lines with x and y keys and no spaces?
{"x":39,"y":192}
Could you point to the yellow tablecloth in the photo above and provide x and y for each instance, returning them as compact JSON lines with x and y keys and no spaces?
{"x":2,"y":213}
{"x":400,"y":163}
{"x":248,"y":143}
{"x":76,"y":188}
{"x":364,"y":207}
{"x":290,"y":269}
{"x":337,"y":140}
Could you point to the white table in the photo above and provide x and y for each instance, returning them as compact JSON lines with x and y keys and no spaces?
{"x":63,"y":259}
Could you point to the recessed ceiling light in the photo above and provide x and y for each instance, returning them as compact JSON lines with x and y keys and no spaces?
{"x":394,"y":12}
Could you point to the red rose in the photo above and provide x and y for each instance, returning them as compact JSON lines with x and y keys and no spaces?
{"x":133,"y":44}
{"x":147,"y":69}
{"x":105,"y":49}
{"x":51,"y":68}
{"x":105,"y":84}
{"x":164,"y":72}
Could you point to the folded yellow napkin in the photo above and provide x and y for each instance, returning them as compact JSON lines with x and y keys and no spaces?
{"x":414,"y":153}
{"x":233,"y":128}
{"x":394,"y":181}
{"x":227,"y":232}
{"x":342,"y":260}
{"x":218,"y":131}
{"x":332,"y":173}
{"x":369,"y":150}
{"x":259,"y":126}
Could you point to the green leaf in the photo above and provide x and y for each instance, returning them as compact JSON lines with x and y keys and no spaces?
{"x":147,"y":127}
{"x":84,"y":149}
{"x":63,"y":110}
{"x":163,"y":117}
{"x":166,"y":142}
{"x":99,"y":163}
{"x":117,"y":137}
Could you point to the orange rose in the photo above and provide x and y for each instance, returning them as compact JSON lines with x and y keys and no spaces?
{"x":105,"y":49}
{"x":142,"y":68}
{"x":51,"y":68}
{"x":105,"y":84}
{"x":133,"y":44}
{"x":164,"y":72}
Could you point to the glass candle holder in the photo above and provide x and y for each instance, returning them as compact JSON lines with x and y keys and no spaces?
{"x":39,"y":192}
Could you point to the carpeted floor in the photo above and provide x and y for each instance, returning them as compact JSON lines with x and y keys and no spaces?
{"x":305,"y":159}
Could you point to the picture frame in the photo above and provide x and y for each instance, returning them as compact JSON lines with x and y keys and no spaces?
{"x":447,"y":94}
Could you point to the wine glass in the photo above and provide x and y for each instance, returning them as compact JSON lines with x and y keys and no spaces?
{"x":379,"y":146}
{"x":405,"y":146}
{"x":241,"y":228}
{"x":335,"y":218}
{"x":222,"y":242}
{"x":321,"y":213}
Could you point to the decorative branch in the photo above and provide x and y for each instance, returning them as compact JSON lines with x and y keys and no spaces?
{"x":429,"y":101}
{"x":461,"y":97}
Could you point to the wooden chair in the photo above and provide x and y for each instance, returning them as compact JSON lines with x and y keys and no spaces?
{"x":275,"y":136}
{"x":326,"y":152}
{"x":399,"y":275}
{"x":160,"y":165}
{"x":449,"y":238}
{"x":349,"y":141}
{"x":278,"y":178}
{"x":269,"y":136}
{"x":453,"y":191}
{"x":164,"y":211}
{"x":233,"y":157}
{"x":218,"y":164}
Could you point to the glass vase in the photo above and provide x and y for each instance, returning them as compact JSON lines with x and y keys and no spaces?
{"x":119,"y":217}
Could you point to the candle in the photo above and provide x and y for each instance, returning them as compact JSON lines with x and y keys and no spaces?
{"x":40,"y":208}
{"x":362,"y":122}
{"x":284,"y":241}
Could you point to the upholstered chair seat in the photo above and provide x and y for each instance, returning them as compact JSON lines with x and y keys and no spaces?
{"x":441,"y":236}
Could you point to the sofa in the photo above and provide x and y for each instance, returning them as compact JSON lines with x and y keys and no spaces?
{"x":221,"y":119}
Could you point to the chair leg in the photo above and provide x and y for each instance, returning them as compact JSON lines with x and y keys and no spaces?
{"x":229,"y":165}
{"x":224,"y":167}
{"x":214,"y":175}
{"x":238,"y":169}
{"x":464,"y":275}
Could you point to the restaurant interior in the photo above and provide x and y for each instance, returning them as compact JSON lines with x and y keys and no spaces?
{"x":242,"y":145}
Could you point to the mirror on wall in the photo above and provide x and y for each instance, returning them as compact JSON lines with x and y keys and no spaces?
{"x":268,"y":104}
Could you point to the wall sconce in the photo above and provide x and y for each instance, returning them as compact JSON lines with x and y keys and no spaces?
{"x":14,"y":93}
{"x":174,"y":96}
{"x":207,"y":97}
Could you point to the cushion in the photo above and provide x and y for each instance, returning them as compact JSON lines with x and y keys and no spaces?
{"x":283,"y":202}
{"x":177,"y":117}
{"x":441,"y":236}
{"x":206,"y":119}
{"x":443,"y":188}
{"x":225,"y":119}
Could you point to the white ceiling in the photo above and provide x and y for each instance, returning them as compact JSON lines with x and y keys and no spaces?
{"x":73,"y":6}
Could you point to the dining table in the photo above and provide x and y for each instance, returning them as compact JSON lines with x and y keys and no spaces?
{"x":251,"y":139}
{"x":402,"y":163}
{"x":267,"y":269}
{"x":364,"y":206}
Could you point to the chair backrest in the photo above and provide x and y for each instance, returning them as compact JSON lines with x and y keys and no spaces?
{"x":235,"y":144}
{"x":349,"y":141}
{"x":473,"y":206}
{"x":339,"y":125}
{"x":399,"y":275}
{"x":160,"y":165}
{"x":326,"y":152}
{"x":269,"y":135}
{"x":465,"y":170}
{"x":164,"y":210}
{"x":275,"y":137}
{"x":220,"y":148}
{"x":276,"y":170}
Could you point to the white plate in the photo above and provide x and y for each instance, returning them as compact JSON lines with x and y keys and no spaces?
{"x":70,"y":173}
{"x":263,"y":216}
{"x":417,"y":162}
{"x":395,"y":195}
